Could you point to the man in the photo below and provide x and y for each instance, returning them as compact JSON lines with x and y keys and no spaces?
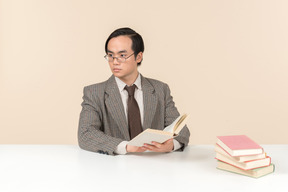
{"x":112,"y":115}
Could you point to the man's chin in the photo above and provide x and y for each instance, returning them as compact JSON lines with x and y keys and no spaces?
{"x":117,"y":75}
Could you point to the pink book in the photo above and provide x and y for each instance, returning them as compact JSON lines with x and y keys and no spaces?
{"x":239,"y":145}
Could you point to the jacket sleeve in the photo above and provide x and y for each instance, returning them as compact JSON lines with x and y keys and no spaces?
{"x":90,"y":131}
{"x":171,"y":113}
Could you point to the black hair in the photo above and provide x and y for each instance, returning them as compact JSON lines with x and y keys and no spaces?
{"x":137,"y":41}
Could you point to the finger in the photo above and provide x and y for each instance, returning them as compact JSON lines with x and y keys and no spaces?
{"x":153,"y":149}
{"x":150,"y":147}
{"x":158,"y":145}
{"x":131,"y":148}
{"x":168,"y":141}
{"x":142,"y":149}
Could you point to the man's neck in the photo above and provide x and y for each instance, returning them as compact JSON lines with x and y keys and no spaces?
{"x":129,"y":81}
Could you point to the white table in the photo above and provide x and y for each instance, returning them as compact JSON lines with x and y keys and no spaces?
{"x":67,"y":168}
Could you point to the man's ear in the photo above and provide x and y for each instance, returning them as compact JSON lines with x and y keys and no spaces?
{"x":139,"y":57}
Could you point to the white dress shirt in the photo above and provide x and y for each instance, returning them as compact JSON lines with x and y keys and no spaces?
{"x":138,"y":95}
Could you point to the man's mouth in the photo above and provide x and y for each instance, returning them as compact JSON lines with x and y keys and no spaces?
{"x":116,"y":69}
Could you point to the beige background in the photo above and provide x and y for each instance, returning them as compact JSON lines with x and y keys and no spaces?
{"x":226,"y":63}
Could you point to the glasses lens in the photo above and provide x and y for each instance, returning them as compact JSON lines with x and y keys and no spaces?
{"x":121,"y":59}
{"x":111,"y":59}
{"x":108,"y":58}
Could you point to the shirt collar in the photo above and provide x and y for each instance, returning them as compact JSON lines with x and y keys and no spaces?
{"x":121,"y":85}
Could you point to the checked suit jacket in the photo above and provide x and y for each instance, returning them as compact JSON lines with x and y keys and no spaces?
{"x":103,"y":124}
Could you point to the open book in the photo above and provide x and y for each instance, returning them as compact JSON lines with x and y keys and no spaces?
{"x":160,"y":136}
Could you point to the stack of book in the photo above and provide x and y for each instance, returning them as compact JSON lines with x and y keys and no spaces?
{"x":240,"y":154}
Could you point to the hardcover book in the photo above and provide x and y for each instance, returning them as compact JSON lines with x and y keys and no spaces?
{"x":160,"y":136}
{"x":239,"y":145}
{"x":219,"y":149}
{"x":255,"y":173}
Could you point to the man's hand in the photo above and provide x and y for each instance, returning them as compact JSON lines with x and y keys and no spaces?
{"x":167,"y":146}
{"x":130,"y":149}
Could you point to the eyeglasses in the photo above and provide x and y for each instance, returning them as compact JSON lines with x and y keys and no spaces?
{"x":120,"y":59}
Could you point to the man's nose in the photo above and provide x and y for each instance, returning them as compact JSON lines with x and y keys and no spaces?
{"x":115,"y":61}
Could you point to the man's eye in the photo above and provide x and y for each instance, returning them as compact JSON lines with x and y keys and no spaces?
{"x":123,"y":55}
{"x":110,"y":55}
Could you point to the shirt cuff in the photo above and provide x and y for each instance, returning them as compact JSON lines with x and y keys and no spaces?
{"x":177,"y":145}
{"x":121,"y":148}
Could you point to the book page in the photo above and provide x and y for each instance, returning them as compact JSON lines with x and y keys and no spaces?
{"x":170,"y":127}
{"x":180,"y":124}
{"x":150,"y":135}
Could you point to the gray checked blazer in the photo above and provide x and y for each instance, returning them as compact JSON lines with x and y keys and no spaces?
{"x":103,"y":124}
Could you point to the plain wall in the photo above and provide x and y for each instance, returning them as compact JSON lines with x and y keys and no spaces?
{"x":226,"y":62}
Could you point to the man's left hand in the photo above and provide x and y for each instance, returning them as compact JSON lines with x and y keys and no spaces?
{"x":167,"y":146}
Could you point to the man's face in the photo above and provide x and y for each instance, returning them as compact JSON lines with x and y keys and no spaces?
{"x":121,"y":46}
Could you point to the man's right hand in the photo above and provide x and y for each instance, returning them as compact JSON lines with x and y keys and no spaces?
{"x":130,"y":149}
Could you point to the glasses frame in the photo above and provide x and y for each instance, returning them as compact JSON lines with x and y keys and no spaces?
{"x":117,"y":58}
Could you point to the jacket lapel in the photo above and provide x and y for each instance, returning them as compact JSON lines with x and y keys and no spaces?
{"x":115,"y":106}
{"x":149,"y":101}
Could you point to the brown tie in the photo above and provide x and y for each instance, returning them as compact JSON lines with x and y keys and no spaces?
{"x":134,"y":118}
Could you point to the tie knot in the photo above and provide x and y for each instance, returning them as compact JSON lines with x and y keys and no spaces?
{"x":130,"y":90}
